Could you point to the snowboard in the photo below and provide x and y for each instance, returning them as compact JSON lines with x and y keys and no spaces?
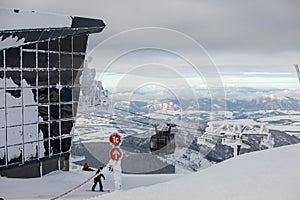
{"x":98,"y":191}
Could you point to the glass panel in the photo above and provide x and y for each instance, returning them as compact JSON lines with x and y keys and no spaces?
{"x":78,"y":61}
{"x":42,"y":60}
{"x":79,"y":43}
{"x":54,"y":112}
{"x":31,"y":151}
{"x":13,"y":79}
{"x":1,"y":59}
{"x":66,"y":44}
{"x":43,"y":112}
{"x":43,"y":46}
{"x":43,"y":77}
{"x":31,"y":133}
{"x":14,"y":154}
{"x":2,"y":98}
{"x":65,"y":61}
{"x":14,"y":116}
{"x":54,"y":129}
{"x":66,"y":111}
{"x":76,"y":76}
{"x":2,"y":119}
{"x":66,"y":94}
{"x":43,"y":95}
{"x":2,"y":146}
{"x":75,"y":107}
{"x":66,"y":127}
{"x":13,"y":97}
{"x":29,"y":46}
{"x":2,"y":156}
{"x":53,"y":60}
{"x":53,"y":45}
{"x":13,"y":57}
{"x":66,"y":77}
{"x":30,"y":114}
{"x":55,"y":146}
{"x":65,"y":144}
{"x":1,"y":78}
{"x":30,"y":96}
{"x":54,"y":77}
{"x":14,"y":135}
{"x":54,"y":95}
{"x":29,"y":59}
{"x":43,"y":128}
{"x":30,"y":77}
{"x":3,"y":137}
{"x":76,"y":92}
{"x":43,"y":148}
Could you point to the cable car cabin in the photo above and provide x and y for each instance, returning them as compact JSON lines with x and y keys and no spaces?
{"x":163,"y":142}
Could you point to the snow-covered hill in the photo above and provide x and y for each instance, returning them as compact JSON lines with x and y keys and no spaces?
{"x":268,"y":175}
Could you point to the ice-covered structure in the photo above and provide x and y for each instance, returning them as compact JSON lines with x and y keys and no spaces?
{"x":41,"y":60}
{"x":93,"y":98}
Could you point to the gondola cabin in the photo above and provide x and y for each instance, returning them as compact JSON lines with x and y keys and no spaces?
{"x":163,"y":142}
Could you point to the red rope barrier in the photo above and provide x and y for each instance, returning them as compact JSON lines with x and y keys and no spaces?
{"x":78,"y":186}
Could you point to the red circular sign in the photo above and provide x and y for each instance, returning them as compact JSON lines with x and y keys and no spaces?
{"x":115,"y":153}
{"x":115,"y":139}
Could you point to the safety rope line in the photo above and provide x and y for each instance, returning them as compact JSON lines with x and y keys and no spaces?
{"x":78,"y":186}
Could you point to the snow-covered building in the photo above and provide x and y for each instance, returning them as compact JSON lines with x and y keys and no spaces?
{"x":41,"y":61}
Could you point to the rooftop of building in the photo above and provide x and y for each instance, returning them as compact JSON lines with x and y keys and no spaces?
{"x":24,"y":27}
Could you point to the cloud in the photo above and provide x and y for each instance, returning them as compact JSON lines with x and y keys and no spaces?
{"x":259,"y":25}
{"x":248,"y":35}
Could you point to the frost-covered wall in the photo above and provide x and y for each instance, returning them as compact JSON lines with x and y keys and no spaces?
{"x":39,"y":86}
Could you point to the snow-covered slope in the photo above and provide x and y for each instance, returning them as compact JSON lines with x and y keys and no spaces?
{"x":268,"y":175}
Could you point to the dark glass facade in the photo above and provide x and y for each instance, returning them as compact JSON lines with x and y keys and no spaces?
{"x":39,"y":92}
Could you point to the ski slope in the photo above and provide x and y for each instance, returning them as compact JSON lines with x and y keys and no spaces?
{"x":272,"y":174}
{"x":59,"y":182}
{"x":268,"y":175}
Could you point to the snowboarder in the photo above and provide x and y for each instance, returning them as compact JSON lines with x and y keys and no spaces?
{"x":97,"y":179}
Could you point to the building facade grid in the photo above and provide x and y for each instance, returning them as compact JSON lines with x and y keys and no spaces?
{"x":39,"y":91}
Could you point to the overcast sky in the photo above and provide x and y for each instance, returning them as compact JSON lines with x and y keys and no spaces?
{"x":232,"y":26}
{"x":238,"y":36}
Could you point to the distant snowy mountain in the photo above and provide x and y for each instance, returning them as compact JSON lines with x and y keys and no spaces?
{"x":263,"y":102}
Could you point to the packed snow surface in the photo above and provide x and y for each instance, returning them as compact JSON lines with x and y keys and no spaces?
{"x":269,"y":175}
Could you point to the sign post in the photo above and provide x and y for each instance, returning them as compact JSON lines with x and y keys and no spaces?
{"x":116,"y":153}
{"x":116,"y":156}
{"x":115,"y":139}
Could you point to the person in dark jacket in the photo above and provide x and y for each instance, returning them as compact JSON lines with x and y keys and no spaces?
{"x":97,"y":179}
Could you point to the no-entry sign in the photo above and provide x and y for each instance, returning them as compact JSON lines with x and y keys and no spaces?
{"x":115,"y":153}
{"x":115,"y":139}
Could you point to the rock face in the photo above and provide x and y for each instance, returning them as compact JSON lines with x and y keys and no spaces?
{"x":93,"y":98}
